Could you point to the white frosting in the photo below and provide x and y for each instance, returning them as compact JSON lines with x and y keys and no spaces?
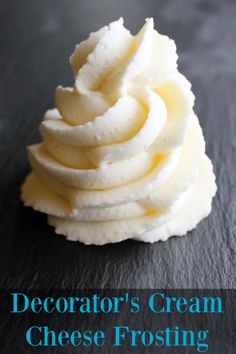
{"x":123,"y":155}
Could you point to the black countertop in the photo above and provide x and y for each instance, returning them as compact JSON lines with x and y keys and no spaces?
{"x":36,"y":39}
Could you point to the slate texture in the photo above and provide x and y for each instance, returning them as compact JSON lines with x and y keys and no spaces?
{"x":36,"y":39}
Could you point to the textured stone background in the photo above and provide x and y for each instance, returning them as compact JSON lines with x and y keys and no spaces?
{"x":36,"y":39}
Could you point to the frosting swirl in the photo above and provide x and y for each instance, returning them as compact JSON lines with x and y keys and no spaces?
{"x":123,"y":155}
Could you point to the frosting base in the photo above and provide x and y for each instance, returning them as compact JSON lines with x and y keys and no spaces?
{"x":195,"y":205}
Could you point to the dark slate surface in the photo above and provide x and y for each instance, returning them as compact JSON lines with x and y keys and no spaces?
{"x":36,"y":39}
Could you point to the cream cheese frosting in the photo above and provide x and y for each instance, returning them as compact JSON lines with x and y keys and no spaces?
{"x":123,"y":155}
